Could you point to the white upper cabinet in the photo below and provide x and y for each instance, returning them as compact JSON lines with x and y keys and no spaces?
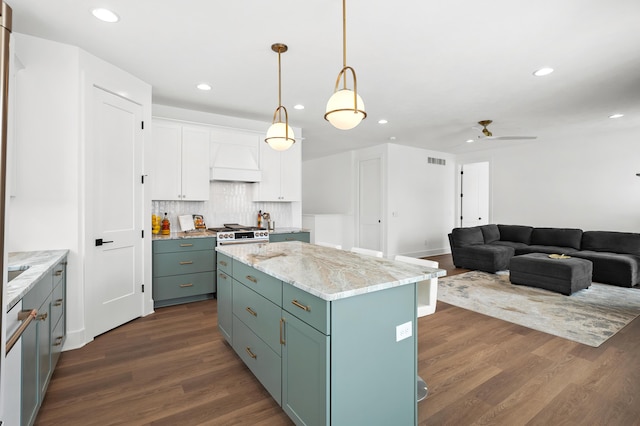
{"x":281,"y":174}
{"x":180,"y":161}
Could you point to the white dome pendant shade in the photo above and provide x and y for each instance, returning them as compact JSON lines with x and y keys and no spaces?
{"x":280,"y":135}
{"x":345,"y":108}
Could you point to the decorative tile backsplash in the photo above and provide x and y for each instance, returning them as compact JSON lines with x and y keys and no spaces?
{"x":229,"y":202}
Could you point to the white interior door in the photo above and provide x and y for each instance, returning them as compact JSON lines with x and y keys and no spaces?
{"x":370,"y":204}
{"x":474,"y":179}
{"x":114,"y":279}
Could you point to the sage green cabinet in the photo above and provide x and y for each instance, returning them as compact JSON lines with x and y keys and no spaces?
{"x":225,"y":293}
{"x":303,"y":236}
{"x":184,"y":270}
{"x":43,"y":339}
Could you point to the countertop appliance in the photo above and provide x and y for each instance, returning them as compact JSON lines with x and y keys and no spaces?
{"x":233,"y":233}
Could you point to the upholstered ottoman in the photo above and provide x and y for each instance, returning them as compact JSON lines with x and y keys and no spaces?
{"x":564,"y":276}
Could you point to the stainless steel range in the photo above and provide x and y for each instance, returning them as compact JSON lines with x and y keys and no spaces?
{"x":233,"y":233}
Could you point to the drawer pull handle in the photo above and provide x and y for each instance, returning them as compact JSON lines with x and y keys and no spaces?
{"x":187,"y":262}
{"x":43,"y":316}
{"x":58,"y":341}
{"x":186,"y":285}
{"x":58,"y":302}
{"x":252,"y":279}
{"x":251,"y":354}
{"x":282,"y":342}
{"x":289,"y":239}
{"x":300,"y":305}
{"x":223,"y":276}
{"x":58,"y":273}
{"x":251,"y":311}
{"x":186,"y":245}
{"x":222,"y":262}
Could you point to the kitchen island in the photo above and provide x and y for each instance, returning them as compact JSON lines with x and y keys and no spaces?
{"x":330,"y":334}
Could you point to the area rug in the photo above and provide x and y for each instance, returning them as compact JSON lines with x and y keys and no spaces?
{"x":589,"y":316}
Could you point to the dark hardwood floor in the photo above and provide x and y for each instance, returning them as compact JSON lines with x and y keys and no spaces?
{"x":174,"y":368}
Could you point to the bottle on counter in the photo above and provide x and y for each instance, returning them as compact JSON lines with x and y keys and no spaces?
{"x":259,"y":218}
{"x":166,"y":226}
{"x":155,"y":224}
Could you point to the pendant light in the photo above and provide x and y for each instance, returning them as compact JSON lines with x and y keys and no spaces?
{"x":345,"y":108}
{"x":280,"y":136}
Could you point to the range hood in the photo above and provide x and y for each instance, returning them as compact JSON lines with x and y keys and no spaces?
{"x":235,"y":162}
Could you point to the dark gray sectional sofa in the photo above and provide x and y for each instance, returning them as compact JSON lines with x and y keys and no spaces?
{"x":615,"y":255}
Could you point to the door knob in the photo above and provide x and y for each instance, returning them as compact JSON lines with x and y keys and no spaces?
{"x":100,"y":242}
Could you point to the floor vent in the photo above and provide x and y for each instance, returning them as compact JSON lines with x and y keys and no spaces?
{"x":438,"y":161}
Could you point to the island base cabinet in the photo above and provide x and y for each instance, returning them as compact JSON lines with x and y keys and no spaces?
{"x":373,"y":362}
{"x":305,"y":373}
{"x":258,"y":356}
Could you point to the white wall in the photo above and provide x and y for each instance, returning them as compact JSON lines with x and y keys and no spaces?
{"x":419,"y":208}
{"x":420,"y":202}
{"x":585,"y":181}
{"x":47,"y":211}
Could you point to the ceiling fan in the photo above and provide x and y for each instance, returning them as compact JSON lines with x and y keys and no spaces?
{"x":488,"y":135}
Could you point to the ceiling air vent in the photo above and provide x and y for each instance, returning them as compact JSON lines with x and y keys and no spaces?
{"x":438,"y":161}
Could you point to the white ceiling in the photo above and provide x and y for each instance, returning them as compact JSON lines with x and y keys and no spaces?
{"x":431,"y":68}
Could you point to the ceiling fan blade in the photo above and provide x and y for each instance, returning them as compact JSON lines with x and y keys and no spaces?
{"x":510,"y":138}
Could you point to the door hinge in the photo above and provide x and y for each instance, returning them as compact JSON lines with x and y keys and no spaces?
{"x":143,"y":233}
{"x":142,"y":180}
{"x":143,"y":288}
{"x":142,"y":125}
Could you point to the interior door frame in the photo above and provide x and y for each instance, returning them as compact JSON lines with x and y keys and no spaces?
{"x":380,"y":155}
{"x":88,"y":213}
{"x":459,"y":192}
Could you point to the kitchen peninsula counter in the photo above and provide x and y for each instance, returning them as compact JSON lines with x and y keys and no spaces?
{"x":39,"y":262}
{"x":331,"y":335}
{"x":328,"y":273}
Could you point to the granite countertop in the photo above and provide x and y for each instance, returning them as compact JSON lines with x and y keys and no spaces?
{"x":325,"y":272}
{"x":288,"y":230}
{"x":206,"y":233}
{"x":39,"y":262}
{"x":181,"y":234}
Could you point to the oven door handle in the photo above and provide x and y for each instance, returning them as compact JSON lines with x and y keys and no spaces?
{"x":26,"y":317}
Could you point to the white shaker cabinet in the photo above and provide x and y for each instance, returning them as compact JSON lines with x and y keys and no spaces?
{"x":180,"y":161}
{"x":281,"y":174}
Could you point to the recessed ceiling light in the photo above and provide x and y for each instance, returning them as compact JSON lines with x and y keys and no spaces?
{"x":383,"y":121}
{"x":470,"y":140}
{"x":616,"y":115}
{"x":299,"y":106}
{"x":105,"y":15}
{"x":204,"y":86}
{"x":543,"y":71}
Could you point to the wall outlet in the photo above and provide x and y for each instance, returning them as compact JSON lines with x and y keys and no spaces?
{"x":404,"y":331}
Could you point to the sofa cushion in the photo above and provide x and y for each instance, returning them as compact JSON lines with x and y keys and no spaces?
{"x":515,"y":233}
{"x":485,"y":257}
{"x":560,"y":237}
{"x":613,"y":268}
{"x":462,"y":237}
{"x":490,"y":233}
{"x":614,"y":242}
{"x":545,"y":249}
